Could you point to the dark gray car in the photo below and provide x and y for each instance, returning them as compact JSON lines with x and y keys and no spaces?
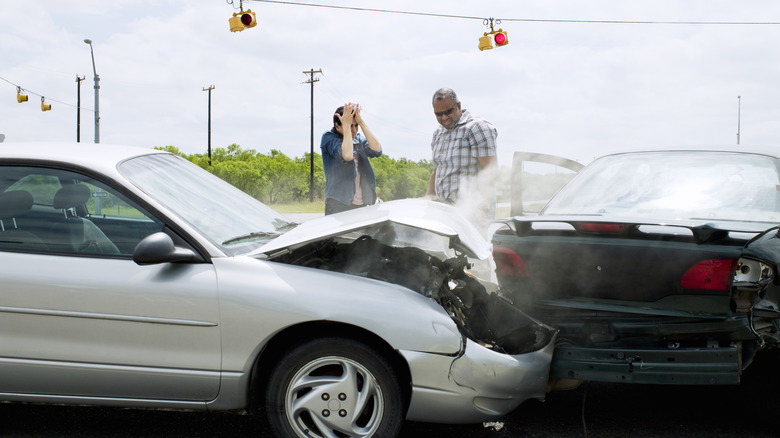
{"x":656,"y":267}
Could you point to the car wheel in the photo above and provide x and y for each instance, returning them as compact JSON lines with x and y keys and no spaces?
{"x":333,"y":387}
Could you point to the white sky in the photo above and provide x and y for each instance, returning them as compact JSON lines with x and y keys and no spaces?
{"x":579,"y":90}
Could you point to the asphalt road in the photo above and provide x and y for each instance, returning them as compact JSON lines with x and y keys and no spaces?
{"x":592,"y":410}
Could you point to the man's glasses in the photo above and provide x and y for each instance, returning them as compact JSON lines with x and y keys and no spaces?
{"x":445,"y":113}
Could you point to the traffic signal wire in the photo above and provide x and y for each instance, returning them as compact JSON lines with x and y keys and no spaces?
{"x":19,"y":88}
{"x":529,"y":20}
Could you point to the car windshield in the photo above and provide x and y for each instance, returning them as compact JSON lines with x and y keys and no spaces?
{"x":224,"y":214}
{"x":712,"y":186}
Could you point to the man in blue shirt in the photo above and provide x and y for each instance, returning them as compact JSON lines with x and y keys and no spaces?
{"x":349,"y":178}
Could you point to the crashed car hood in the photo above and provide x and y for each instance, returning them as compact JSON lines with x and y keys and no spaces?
{"x":435,"y":217}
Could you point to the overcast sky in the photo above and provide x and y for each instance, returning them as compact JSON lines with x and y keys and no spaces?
{"x":575,"y":89}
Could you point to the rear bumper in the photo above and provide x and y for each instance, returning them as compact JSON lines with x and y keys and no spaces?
{"x":693,"y":366}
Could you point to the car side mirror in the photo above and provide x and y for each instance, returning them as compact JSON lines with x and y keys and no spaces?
{"x":159,"y":248}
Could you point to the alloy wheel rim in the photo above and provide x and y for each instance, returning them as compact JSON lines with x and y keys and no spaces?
{"x":334,"y":397}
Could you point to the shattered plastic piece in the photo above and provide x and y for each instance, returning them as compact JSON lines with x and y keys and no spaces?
{"x":495,"y":425}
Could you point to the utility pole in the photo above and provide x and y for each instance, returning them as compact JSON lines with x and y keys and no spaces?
{"x":78,"y":107}
{"x":739,"y":115}
{"x":211,"y":87}
{"x":311,"y":81}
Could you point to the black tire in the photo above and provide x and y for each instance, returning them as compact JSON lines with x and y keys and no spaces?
{"x":333,"y":386}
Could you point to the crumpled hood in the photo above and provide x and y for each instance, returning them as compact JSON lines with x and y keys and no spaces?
{"x":415,"y":214}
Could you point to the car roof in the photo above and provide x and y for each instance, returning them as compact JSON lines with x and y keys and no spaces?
{"x":100,"y":156}
{"x":772,"y":151}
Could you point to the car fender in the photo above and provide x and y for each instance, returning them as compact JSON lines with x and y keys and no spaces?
{"x":259,"y":298}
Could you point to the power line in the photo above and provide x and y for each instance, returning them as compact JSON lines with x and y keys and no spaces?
{"x":341,"y":97}
{"x":529,"y":20}
{"x":387,"y":11}
{"x":536,"y":20}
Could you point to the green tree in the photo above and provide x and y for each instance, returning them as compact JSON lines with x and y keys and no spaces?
{"x":400,"y":179}
{"x":276,"y":178}
{"x":319,"y":176}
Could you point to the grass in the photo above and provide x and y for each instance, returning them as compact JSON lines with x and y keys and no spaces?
{"x":502,"y":212}
{"x":318,"y":206}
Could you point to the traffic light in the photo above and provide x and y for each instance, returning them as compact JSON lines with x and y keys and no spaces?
{"x":19,"y":96}
{"x":242,"y":20}
{"x":249,"y":19}
{"x":45,"y":106}
{"x":499,"y":36}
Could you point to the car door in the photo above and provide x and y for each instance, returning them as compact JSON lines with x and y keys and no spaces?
{"x":79,"y":320}
{"x":535,"y":178}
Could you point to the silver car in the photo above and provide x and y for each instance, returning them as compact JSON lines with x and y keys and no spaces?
{"x":131,"y":277}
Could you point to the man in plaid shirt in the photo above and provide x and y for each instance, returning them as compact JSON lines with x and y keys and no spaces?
{"x":463,"y":146}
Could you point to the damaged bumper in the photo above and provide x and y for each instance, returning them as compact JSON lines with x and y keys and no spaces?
{"x":479,"y":385}
{"x":692,"y":366}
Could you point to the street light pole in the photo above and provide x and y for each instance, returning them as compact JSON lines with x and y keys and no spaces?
{"x":97,"y":92}
{"x":739,"y":115}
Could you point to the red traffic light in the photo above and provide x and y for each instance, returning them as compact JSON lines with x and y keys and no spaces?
{"x":243,"y":20}
{"x":248,"y":19}
{"x":501,"y":38}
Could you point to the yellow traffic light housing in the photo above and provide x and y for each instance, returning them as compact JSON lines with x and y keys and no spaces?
{"x":485,"y":43}
{"x":235,"y":23}
{"x":19,"y":96}
{"x":45,"y":106}
{"x":242,"y":20}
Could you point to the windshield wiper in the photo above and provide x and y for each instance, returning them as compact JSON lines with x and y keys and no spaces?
{"x":287,"y":226}
{"x":255,"y":235}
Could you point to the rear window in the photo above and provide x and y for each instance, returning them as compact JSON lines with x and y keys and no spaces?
{"x":677,"y":185}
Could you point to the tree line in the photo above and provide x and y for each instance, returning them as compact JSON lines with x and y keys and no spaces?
{"x":276,"y":178}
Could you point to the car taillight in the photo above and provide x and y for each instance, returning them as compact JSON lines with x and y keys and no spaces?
{"x":712,"y":274}
{"x":599,"y":227}
{"x":509,"y":262}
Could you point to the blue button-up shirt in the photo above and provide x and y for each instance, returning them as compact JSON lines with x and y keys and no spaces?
{"x":340,"y":175}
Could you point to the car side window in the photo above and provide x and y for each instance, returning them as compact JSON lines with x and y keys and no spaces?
{"x":64,"y":212}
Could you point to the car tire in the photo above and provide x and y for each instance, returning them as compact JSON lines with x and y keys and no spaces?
{"x":333,"y":386}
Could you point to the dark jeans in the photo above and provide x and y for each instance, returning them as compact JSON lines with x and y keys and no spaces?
{"x":334,"y":206}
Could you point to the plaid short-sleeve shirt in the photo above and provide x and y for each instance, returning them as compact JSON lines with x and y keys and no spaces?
{"x":456,"y":152}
